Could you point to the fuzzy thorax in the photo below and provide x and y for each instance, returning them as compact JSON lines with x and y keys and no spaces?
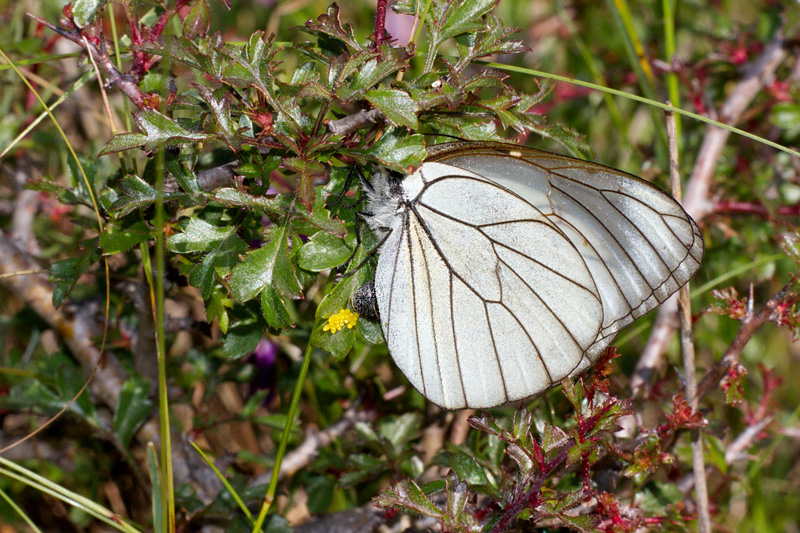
{"x":384,"y":200}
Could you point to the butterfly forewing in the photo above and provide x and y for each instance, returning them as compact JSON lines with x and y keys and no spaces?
{"x":483,"y":300}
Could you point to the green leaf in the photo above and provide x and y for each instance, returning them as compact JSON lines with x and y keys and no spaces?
{"x":401,"y":430}
{"x":198,"y":236}
{"x":323,"y":252}
{"x":85,"y":11}
{"x":468,"y":469}
{"x":217,"y":306}
{"x":398,"y":151}
{"x":408,"y":496}
{"x":275,"y":310}
{"x":64,"y":274}
{"x":320,"y":493}
{"x":328,"y":26}
{"x":464,"y":17}
{"x":221,"y":108}
{"x":182,"y":174}
{"x":158,"y":131}
{"x":337,"y":344}
{"x":118,"y":237}
{"x":196,"y":23}
{"x":269,"y":264}
{"x":64,"y":194}
{"x":397,"y":105}
{"x":370,"y":331}
{"x":224,"y":248}
{"x":133,"y":408}
{"x":134,"y":193}
{"x":243,"y":336}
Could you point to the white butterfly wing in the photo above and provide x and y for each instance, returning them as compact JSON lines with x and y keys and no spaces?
{"x":483,"y":299}
{"x":638,"y":243}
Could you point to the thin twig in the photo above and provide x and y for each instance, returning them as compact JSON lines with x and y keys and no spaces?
{"x":355,"y":122}
{"x":687,"y":348}
{"x":308,"y":450}
{"x":750,"y":324}
{"x":126,"y":83}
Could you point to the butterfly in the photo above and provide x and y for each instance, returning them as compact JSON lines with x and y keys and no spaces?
{"x":503,"y":270}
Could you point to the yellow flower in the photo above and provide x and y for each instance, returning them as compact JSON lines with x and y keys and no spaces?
{"x":337,"y":321}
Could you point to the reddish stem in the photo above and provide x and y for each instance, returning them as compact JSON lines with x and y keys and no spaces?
{"x":380,"y":22}
{"x":755,"y":208}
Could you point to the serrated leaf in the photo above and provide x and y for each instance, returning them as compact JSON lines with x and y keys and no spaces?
{"x":224,"y":248}
{"x":196,"y":22}
{"x":463,"y":17}
{"x":133,"y":193}
{"x":64,"y":274}
{"x":323,"y":252}
{"x":468,"y":469}
{"x":221,"y":109}
{"x":158,"y":131}
{"x":407,"y":495}
{"x":397,"y":105}
{"x":399,"y":152}
{"x":328,"y":25}
{"x":118,"y":237}
{"x":553,"y":438}
{"x":274,"y":307}
{"x":269,"y":264}
{"x":233,"y":197}
{"x":85,"y":11}
{"x":197,"y":236}
{"x":133,"y":408}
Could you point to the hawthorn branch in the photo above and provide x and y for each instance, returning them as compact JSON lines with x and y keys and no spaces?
{"x":750,"y":324}
{"x":96,"y":47}
{"x":757,"y":74}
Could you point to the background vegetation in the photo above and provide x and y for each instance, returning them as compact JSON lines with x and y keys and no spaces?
{"x":194,"y":242}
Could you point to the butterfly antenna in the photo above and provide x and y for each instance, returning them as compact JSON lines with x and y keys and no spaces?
{"x":354,"y":170}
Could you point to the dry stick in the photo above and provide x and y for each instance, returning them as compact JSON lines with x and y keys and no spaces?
{"x":306,"y":452}
{"x":756,"y":75}
{"x":687,"y":348}
{"x":355,"y":122}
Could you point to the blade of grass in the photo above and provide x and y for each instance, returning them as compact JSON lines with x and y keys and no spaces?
{"x":637,"y":98}
{"x":158,"y":509}
{"x":668,"y":8}
{"x":287,"y":432}
{"x":60,"y":100}
{"x":225,"y":482}
{"x":19,"y":511}
{"x":635,"y":51}
{"x":597,"y":76}
{"x":34,"y":480}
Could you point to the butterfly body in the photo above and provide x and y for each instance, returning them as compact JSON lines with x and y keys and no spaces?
{"x":504,"y":270}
